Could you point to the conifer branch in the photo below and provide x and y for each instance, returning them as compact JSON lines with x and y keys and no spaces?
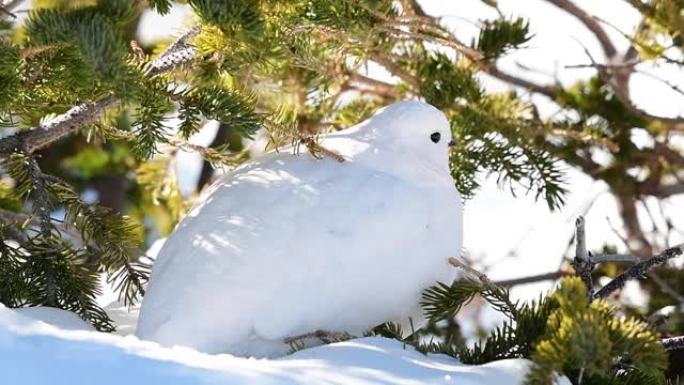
{"x":182,"y":41}
{"x":85,"y":113}
{"x":170,"y":61}
{"x":639,"y":270}
{"x":178,"y":53}
{"x":43,"y":208}
{"x":41,"y":199}
{"x":12,"y":225}
{"x":620,"y":85}
{"x":18,"y":222}
{"x":55,"y":129}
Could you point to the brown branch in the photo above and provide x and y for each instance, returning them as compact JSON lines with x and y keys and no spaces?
{"x":376,"y":86}
{"x":494,"y":71}
{"x":450,"y":40}
{"x":619,"y":80}
{"x":666,"y":190}
{"x":590,"y":22}
{"x":632,"y":52}
{"x":413,"y":8}
{"x":394,"y":69}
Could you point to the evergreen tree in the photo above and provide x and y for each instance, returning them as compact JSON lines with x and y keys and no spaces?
{"x":85,"y":108}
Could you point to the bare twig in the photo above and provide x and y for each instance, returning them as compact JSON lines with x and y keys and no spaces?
{"x":674,"y":343}
{"x":547,"y":90}
{"x":620,"y":83}
{"x":582,"y":263}
{"x":552,"y":276}
{"x":669,"y":84}
{"x":7,"y":6}
{"x":624,"y":64}
{"x":639,"y":270}
{"x":379,"y":87}
{"x":470,"y":271}
{"x":665,"y":287}
{"x":317,"y":150}
{"x":614,"y":258}
{"x":5,"y":12}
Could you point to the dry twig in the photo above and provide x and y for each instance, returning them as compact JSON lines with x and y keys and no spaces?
{"x":639,"y":270}
{"x":470,"y":271}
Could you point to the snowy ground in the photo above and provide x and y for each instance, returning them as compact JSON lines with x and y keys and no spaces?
{"x":35,"y":353}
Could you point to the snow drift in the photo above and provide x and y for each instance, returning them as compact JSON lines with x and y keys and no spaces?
{"x":32,"y":352}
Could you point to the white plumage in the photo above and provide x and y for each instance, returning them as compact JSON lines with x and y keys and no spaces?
{"x":287,"y":244}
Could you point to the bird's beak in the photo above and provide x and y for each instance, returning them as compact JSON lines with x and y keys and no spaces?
{"x":452,"y":143}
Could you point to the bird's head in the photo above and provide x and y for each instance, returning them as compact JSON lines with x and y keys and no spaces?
{"x":416,"y":130}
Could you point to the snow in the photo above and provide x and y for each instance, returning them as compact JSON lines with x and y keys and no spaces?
{"x":287,"y":244}
{"x":35,"y":353}
{"x":56,"y":317}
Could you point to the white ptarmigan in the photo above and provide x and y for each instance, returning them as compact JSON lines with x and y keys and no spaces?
{"x":288,"y":244}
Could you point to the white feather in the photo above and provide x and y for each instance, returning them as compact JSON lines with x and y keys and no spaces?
{"x":288,"y":244}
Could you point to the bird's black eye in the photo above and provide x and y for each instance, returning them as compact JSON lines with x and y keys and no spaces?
{"x":435,"y":137}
